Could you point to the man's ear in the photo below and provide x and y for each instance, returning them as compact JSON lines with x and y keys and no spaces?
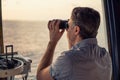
{"x":77,"y":30}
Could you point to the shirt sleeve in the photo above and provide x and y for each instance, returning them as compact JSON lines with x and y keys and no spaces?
{"x":61,"y":69}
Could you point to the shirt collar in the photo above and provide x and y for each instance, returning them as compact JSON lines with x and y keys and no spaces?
{"x":85,"y":42}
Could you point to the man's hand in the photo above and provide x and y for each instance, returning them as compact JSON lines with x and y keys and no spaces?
{"x":54,"y":31}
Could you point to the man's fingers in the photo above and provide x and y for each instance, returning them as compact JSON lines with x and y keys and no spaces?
{"x":49,"y":24}
{"x":57,"y":25}
{"x":54,"y":24}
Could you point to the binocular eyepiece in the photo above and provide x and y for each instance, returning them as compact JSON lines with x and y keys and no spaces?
{"x":63,"y":24}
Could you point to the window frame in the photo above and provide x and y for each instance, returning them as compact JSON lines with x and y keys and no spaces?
{"x":1,"y":30}
{"x":112,"y":11}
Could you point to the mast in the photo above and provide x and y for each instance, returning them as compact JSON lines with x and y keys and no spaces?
{"x":1,"y":30}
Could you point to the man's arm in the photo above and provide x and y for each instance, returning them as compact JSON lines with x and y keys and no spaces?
{"x":43,"y":68}
{"x":44,"y":65}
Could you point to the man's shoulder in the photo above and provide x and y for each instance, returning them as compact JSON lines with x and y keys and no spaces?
{"x":70,"y":54}
{"x":86,"y":53}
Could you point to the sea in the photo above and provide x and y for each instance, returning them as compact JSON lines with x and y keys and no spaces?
{"x":30,"y":39}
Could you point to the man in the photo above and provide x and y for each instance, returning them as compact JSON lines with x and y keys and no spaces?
{"x":84,"y":60}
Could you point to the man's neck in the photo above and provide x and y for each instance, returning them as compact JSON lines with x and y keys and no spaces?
{"x":76,"y":41}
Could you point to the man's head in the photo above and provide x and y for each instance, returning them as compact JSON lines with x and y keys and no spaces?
{"x":86,"y":22}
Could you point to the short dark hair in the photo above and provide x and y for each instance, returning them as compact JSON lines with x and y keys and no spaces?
{"x":88,"y":20}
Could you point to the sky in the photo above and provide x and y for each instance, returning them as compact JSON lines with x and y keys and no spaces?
{"x":38,"y":10}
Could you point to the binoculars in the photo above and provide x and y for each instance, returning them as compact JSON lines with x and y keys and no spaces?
{"x":63,"y":24}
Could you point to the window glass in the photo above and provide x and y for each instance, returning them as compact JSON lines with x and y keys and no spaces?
{"x":25,"y":25}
